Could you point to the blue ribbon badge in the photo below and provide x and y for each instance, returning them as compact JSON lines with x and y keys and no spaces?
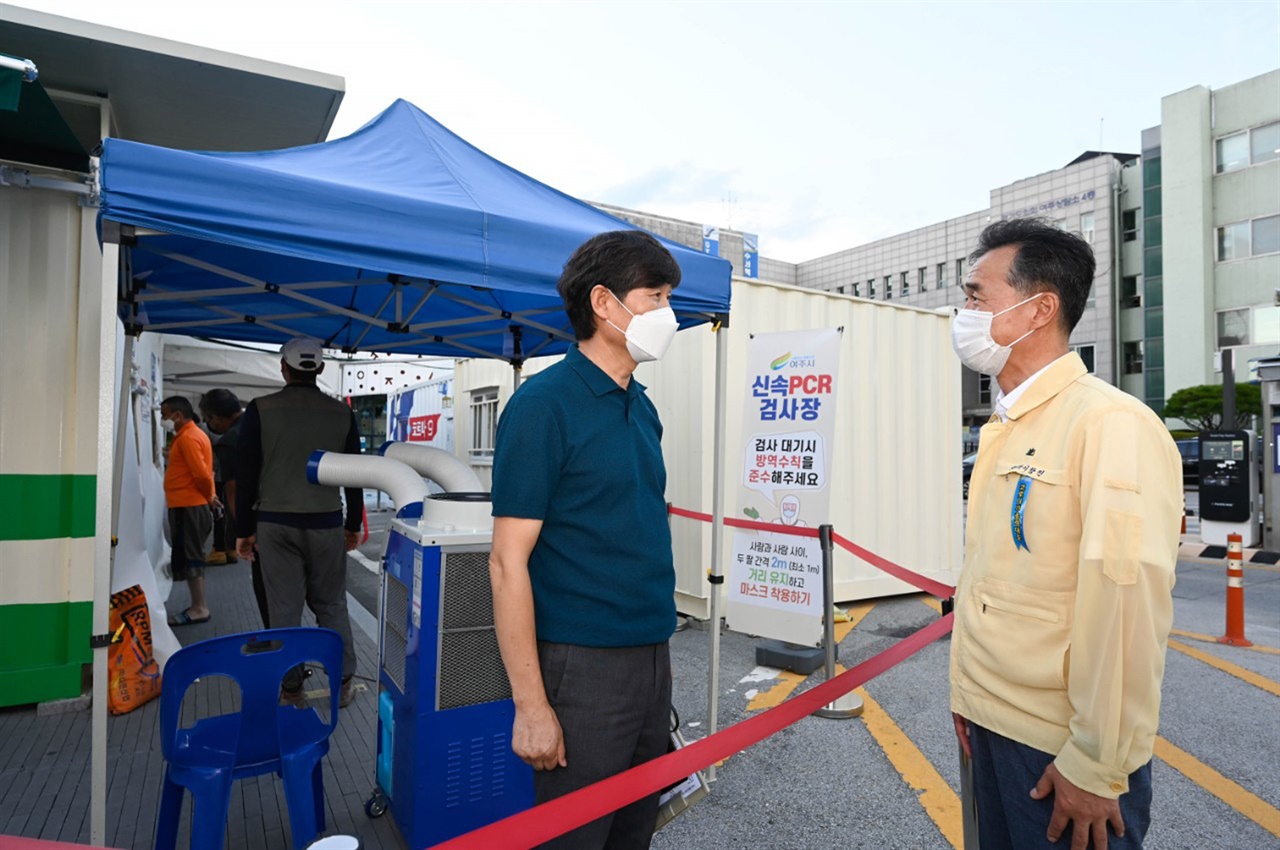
{"x":1018,"y":513}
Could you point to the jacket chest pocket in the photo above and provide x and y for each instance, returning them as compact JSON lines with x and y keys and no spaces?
{"x":1036,"y":513}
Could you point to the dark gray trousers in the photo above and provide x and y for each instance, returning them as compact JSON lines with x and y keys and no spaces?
{"x":307,"y":565}
{"x":614,"y":707}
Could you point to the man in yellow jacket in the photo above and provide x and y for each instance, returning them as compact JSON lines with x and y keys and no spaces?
{"x":1064,"y":606}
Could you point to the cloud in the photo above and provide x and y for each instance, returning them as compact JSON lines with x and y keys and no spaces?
{"x":677,"y":184}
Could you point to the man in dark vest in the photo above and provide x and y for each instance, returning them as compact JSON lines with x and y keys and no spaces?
{"x":222,"y":412}
{"x":298,"y":526}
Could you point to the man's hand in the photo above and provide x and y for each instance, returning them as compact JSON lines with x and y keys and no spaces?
{"x":244,"y":546}
{"x":962,"y":732}
{"x":536,"y":737}
{"x":1088,"y":813}
{"x":352,"y":539}
{"x":215,"y":505}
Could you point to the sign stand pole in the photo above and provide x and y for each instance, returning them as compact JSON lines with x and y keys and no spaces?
{"x":849,"y":705}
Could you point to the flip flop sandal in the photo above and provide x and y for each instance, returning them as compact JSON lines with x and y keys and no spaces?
{"x":183,"y":618}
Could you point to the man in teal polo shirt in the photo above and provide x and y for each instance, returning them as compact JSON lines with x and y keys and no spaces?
{"x":583,"y":582}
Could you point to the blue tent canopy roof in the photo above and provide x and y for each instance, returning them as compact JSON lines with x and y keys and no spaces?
{"x":400,"y":237}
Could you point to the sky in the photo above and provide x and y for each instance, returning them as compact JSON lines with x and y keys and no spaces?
{"x":819,"y":126}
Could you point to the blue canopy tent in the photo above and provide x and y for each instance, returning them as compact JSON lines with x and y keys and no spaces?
{"x":401,"y":237}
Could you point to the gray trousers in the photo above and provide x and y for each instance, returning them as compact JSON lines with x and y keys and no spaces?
{"x":614,"y":708}
{"x":307,"y":565}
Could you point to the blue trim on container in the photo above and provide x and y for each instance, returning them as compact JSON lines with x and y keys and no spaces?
{"x":382,"y":449}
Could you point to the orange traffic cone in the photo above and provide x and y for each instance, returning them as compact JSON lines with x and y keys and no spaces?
{"x":1235,"y":594}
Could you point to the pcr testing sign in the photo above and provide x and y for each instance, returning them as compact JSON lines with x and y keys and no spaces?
{"x":775,"y":580}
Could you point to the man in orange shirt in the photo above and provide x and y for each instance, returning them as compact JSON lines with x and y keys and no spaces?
{"x":189,"y":494}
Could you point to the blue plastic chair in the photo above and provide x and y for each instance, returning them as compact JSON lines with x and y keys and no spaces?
{"x":263,"y":737}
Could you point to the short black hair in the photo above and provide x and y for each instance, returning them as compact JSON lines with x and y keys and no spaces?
{"x":300,"y":376}
{"x":180,"y":404}
{"x":1048,"y":260}
{"x":219,"y":402}
{"x":621,"y":260}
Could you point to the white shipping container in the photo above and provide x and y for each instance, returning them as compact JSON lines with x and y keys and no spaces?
{"x":422,"y":415}
{"x":895,"y":466}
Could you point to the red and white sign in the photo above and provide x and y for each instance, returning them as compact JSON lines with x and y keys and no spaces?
{"x":423,"y":429}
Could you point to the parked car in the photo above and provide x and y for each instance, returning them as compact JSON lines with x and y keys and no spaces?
{"x":967,"y":465}
{"x":1190,"y":451}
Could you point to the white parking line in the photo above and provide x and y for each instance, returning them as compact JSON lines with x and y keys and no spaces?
{"x":370,"y":565}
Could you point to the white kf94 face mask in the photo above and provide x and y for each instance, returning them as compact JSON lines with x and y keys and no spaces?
{"x":649,"y":335}
{"x":973,"y":344}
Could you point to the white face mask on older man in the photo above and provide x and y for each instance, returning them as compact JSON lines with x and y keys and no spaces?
{"x":972,"y":341}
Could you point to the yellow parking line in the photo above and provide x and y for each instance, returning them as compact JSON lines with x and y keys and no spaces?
{"x":1236,"y":670}
{"x":788,"y":681}
{"x":1271,"y":650}
{"x":856,"y":612}
{"x":1250,"y":805}
{"x":939,"y":801}
{"x":933,"y":602}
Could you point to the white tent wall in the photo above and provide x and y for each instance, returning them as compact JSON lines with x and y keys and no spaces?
{"x":192,"y":367}
{"x":896,"y":473}
{"x":142,"y":553}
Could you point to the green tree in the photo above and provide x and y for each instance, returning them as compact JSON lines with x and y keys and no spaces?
{"x":1201,"y":407}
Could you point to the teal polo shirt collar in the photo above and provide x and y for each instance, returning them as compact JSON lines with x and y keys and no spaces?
{"x":596,"y":379}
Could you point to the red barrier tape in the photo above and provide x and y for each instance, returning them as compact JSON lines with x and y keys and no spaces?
{"x":549,"y":820}
{"x":773,"y":527}
{"x":928,"y":585}
{"x":914,"y":579}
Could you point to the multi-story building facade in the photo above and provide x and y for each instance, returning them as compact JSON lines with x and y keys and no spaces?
{"x":1186,"y":237}
{"x":1210,"y":233}
{"x":926,"y":267}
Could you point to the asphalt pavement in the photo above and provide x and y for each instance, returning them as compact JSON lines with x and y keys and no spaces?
{"x":889,"y":779}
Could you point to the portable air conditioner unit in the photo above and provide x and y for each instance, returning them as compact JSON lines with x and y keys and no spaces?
{"x":445,"y":764}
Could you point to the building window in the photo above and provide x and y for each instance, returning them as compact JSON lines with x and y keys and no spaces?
{"x":1249,"y":238}
{"x":1232,"y":152}
{"x":942,"y":276}
{"x":960,"y":272}
{"x":920,"y":279}
{"x":1251,"y":147}
{"x":984,"y":388}
{"x":888,"y":286}
{"x":1233,"y":241}
{"x":1266,"y":235}
{"x":1266,"y":325}
{"x":856,"y":290}
{"x":1264,"y":143}
{"x":1086,"y":354}
{"x":840,"y":290}
{"x":1086,"y":227}
{"x":871,"y":289}
{"x":1233,"y":328}
{"x":906,"y":286}
{"x":1133,"y":358}
{"x":1129,"y":296}
{"x":484,"y":423}
{"x":1129,"y":224}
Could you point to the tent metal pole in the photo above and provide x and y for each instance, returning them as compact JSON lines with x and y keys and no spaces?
{"x":106,"y":552}
{"x":717,"y":529}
